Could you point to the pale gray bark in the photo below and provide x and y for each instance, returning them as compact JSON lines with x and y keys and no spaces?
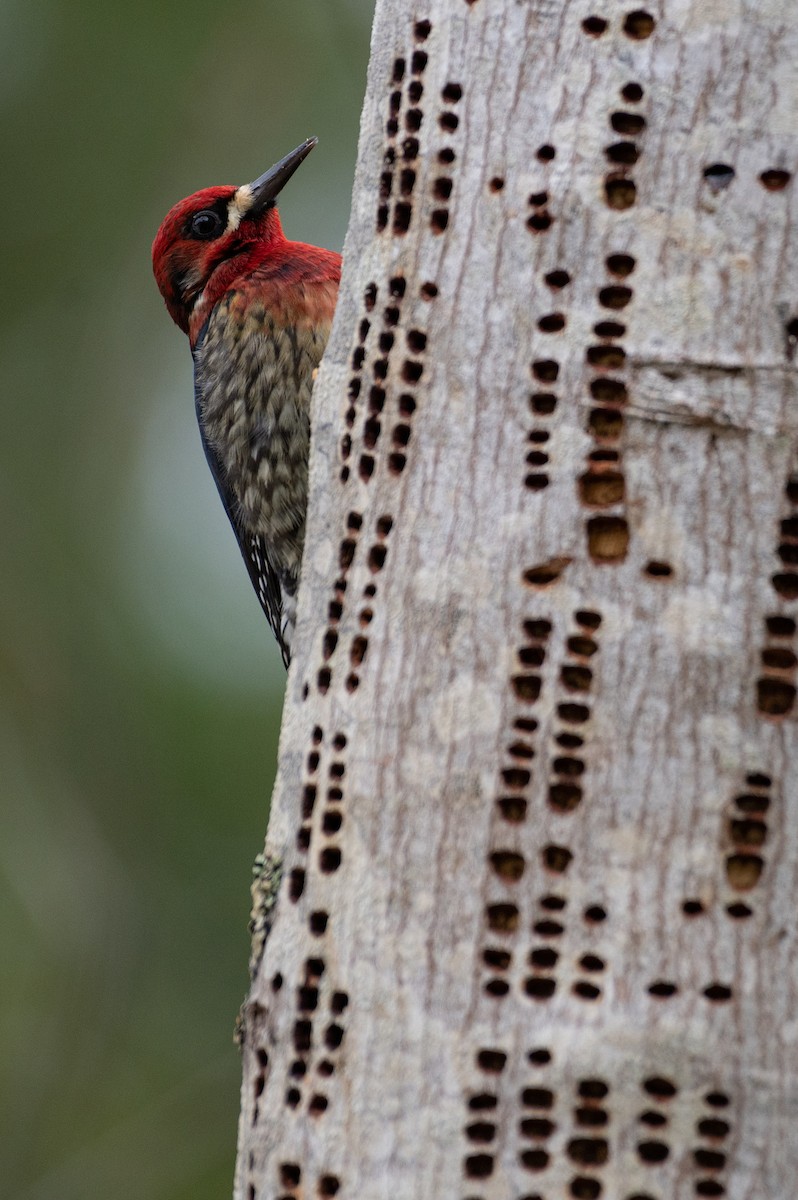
{"x":536,"y":930}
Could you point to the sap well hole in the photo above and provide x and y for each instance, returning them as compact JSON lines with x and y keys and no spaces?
{"x":508,"y":865}
{"x":492,"y":1061}
{"x":653,"y":1152}
{"x":639,"y":25}
{"x":624,"y":153}
{"x":662,"y":989}
{"x":480,"y":1131}
{"x":620,"y":264}
{"x":628,"y":123}
{"x":607,"y":539}
{"x":719,"y":176}
{"x":620,"y":193}
{"x":775,"y":180}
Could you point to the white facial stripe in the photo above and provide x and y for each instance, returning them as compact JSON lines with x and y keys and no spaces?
{"x":191,"y":278}
{"x":238,"y":207}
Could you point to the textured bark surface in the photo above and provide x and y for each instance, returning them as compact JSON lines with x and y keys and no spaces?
{"x":535,"y":936}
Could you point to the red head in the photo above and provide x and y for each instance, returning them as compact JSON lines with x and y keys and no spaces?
{"x":209,"y":239}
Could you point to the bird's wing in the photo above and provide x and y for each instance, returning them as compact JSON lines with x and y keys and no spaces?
{"x":300,"y":283}
{"x":265,"y":578}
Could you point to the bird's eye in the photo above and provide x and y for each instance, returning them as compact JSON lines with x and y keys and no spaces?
{"x":206,"y":224}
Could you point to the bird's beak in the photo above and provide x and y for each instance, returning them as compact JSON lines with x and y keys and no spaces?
{"x":264,"y":190}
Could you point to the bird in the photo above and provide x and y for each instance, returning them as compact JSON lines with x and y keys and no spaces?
{"x":257,"y":309}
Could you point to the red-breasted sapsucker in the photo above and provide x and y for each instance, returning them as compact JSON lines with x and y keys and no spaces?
{"x":257,"y":310}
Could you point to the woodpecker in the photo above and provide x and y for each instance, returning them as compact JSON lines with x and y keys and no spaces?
{"x":257,"y":310}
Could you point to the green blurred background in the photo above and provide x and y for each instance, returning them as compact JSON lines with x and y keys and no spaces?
{"x":141,"y":689}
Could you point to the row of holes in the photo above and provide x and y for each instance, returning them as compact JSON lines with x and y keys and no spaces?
{"x":637,"y":25}
{"x":307,"y":1005}
{"x":355,"y":388}
{"x":785,"y":582}
{"x":515,"y":778}
{"x":602,"y":484}
{"x":545,"y":371}
{"x":359,"y":642}
{"x":711,"y":1127}
{"x":404,"y":114}
{"x":330,"y":856}
{"x":747,"y":831}
{"x":307,"y":1000}
{"x":376,"y":561}
{"x":349,"y":543}
{"x":576,"y":678}
{"x":308,"y":992}
{"x":509,"y":865}
{"x":379,"y":369}
{"x":448,"y":122}
{"x":540,"y":219}
{"x":665,"y":989}
{"x":260,"y":1082}
{"x":290,"y":1178}
{"x":331,"y":817}
{"x":619,"y":188}
{"x":411,"y":373}
{"x":400,"y":160}
{"x":503,"y":919}
{"x":542,"y":403}
{"x":372,"y":429}
{"x":775,"y":688}
{"x":605,"y":422}
{"x":720,"y":175}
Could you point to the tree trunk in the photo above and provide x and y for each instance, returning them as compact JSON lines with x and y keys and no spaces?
{"x":534,"y":821}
